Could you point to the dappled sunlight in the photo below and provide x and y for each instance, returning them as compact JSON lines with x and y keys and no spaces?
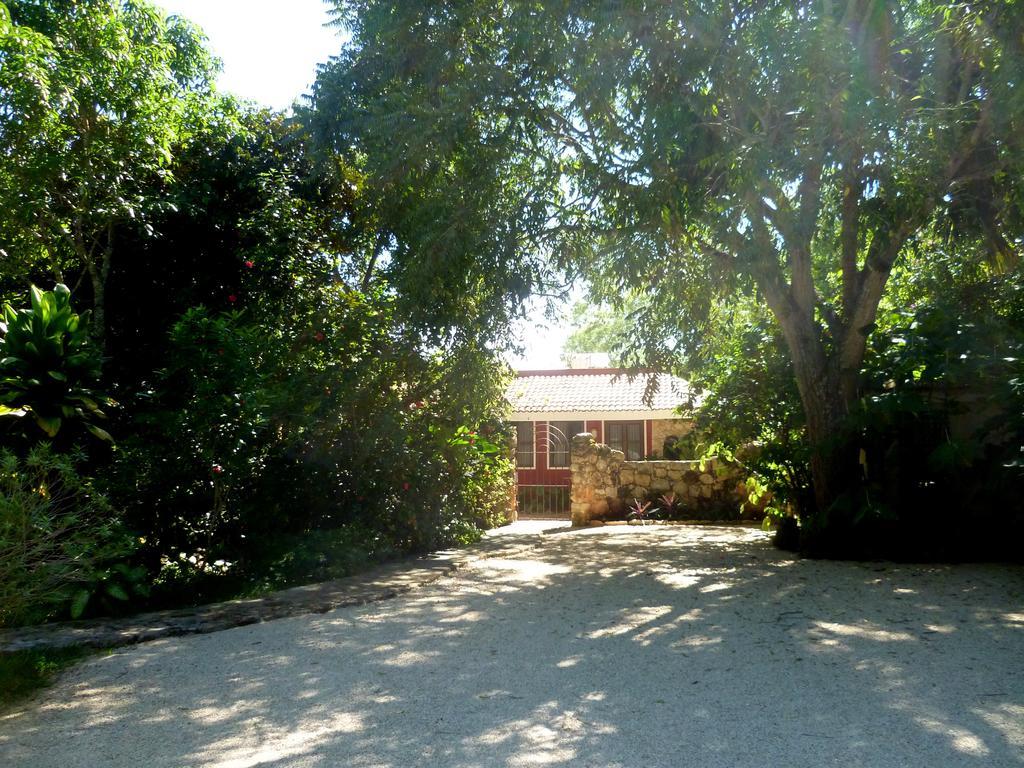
{"x":239,"y":751}
{"x":717,"y":586}
{"x":531,"y":571}
{"x":613,"y":646}
{"x":681,"y":580}
{"x":697,"y":641}
{"x":406,"y":658}
{"x":940,"y":629}
{"x":961,"y":740}
{"x":631,"y":620}
{"x":1006,"y":719}
{"x":865,"y":632}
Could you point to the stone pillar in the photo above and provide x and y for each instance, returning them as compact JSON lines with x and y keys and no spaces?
{"x":581,"y":494}
{"x":512,"y":509}
{"x":595,"y":478}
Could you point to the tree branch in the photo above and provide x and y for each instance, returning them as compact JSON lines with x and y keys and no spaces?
{"x":849,"y":237}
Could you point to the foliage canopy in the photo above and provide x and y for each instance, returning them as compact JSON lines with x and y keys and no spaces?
{"x":689,"y":149}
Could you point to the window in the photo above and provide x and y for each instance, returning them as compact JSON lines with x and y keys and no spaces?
{"x":560,"y":434}
{"x":626,"y":436}
{"x":524,"y":444}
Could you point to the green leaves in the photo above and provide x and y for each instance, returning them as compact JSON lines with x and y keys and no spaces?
{"x":93,"y":104}
{"x":48,"y":364}
{"x":61,"y":541}
{"x":79,"y":603}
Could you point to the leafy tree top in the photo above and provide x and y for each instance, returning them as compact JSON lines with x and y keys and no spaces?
{"x":803,"y":148}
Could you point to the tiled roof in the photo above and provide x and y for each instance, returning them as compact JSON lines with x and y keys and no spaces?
{"x":589,"y":391}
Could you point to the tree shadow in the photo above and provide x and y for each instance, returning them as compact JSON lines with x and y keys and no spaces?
{"x":624,"y":646}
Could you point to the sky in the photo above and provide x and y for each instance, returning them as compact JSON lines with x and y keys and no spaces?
{"x":270,"y":50}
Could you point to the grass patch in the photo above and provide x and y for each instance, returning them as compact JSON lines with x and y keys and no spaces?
{"x":23,"y":673}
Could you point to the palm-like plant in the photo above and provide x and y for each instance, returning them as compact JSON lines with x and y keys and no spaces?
{"x":669,"y":502}
{"x":47,"y":364}
{"x":641,"y":511}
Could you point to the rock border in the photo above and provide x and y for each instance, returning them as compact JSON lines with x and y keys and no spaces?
{"x":380,"y":583}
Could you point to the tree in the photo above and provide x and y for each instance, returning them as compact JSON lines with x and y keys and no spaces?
{"x":94,"y":96}
{"x":600,"y":328}
{"x":801,"y":149}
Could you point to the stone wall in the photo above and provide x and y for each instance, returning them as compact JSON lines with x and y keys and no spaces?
{"x":604,"y":483}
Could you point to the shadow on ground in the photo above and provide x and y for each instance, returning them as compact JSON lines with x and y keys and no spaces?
{"x":603,"y":647}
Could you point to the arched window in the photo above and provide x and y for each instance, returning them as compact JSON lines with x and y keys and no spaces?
{"x":560,"y":434}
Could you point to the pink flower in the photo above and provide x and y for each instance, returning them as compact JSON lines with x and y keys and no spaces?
{"x":249,"y":264}
{"x":217,"y":469}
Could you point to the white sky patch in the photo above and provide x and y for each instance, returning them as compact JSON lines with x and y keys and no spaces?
{"x":542,"y":337}
{"x":270,"y":52}
{"x":270,"y":49}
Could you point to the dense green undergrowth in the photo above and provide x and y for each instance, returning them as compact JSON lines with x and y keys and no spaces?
{"x":244,"y":392}
{"x":24,"y":673}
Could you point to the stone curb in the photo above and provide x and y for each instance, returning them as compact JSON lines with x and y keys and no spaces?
{"x":381,"y":583}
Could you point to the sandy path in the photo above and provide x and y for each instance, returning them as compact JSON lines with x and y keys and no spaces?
{"x":606,"y":647}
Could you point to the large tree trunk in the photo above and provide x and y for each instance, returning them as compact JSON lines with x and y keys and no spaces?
{"x":833,"y":457}
{"x":826,"y":393}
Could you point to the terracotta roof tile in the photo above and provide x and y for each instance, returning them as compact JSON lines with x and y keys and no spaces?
{"x":586,"y":391}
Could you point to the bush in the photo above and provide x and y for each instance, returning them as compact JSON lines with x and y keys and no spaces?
{"x":940,"y":431}
{"x":62,"y":547}
{"x":752,"y":410}
{"x":48,"y":365}
{"x":268,"y":454}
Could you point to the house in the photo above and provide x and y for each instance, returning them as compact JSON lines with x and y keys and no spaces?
{"x":636,"y":413}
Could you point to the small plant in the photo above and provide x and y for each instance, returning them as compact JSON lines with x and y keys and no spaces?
{"x":47,"y":364}
{"x":669,"y":503}
{"x":641,"y":511}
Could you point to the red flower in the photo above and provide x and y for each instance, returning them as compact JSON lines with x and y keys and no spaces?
{"x":249,"y":264}
{"x":405,"y":486}
{"x":319,"y":336}
{"x":217,"y":469}
{"x":232,"y":298}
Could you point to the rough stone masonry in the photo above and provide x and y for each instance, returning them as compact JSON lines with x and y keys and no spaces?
{"x":603,"y":482}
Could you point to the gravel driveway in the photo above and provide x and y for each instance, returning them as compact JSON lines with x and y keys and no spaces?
{"x":657,"y":646}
